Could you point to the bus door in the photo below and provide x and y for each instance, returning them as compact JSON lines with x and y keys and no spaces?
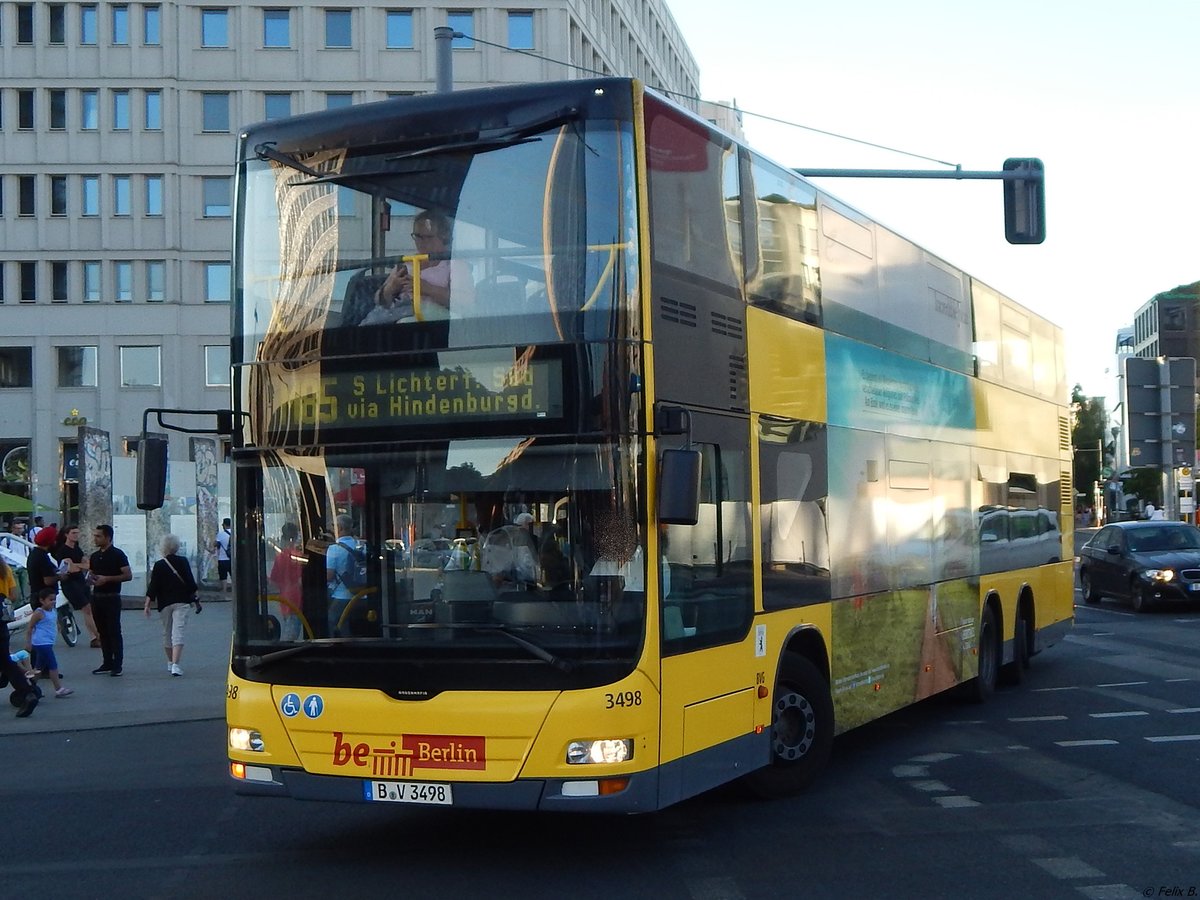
{"x":706,"y":609}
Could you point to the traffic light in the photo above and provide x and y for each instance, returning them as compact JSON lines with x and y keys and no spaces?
{"x":151,"y":471}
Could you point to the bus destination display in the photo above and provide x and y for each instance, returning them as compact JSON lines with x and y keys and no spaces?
{"x":425,"y":395}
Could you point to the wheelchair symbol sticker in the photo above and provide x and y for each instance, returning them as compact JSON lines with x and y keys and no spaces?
{"x":290,"y":705}
{"x":314,"y":705}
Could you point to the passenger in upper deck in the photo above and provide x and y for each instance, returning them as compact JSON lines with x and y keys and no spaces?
{"x":371,"y":302}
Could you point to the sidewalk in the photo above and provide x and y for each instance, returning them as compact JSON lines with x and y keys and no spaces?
{"x":145,"y":694}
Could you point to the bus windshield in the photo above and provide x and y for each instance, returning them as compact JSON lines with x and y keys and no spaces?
{"x":471,"y":553}
{"x":385,"y":245}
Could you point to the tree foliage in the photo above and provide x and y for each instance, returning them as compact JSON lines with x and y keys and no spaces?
{"x":1089,"y":423}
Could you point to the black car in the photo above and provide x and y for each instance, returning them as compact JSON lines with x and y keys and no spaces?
{"x":1144,"y":562}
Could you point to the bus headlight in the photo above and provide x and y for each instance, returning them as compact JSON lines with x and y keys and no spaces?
{"x":609,"y":750}
{"x":246,"y":739}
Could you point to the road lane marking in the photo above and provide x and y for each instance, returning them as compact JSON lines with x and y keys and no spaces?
{"x":1065,"y":867}
{"x":1118,"y":715}
{"x":1173,"y":738}
{"x":1122,"y":684}
{"x":1094,"y":743}
{"x":955,"y":802}
{"x":1037,"y":718}
{"x":1184,"y":709}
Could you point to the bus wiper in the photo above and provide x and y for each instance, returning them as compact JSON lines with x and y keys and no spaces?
{"x":497,"y":139}
{"x":259,"y":662}
{"x":563,"y":665}
{"x":268,"y":151}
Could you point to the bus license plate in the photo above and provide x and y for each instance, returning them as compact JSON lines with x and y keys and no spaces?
{"x":410,"y":792}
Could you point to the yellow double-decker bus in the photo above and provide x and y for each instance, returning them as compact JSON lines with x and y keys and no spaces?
{"x":585,"y":459}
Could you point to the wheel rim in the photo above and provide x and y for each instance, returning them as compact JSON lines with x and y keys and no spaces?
{"x":794,"y":728}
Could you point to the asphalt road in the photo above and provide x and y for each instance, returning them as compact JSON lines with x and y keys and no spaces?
{"x":1080,"y":783}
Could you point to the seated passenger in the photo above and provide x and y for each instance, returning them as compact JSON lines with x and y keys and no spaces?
{"x":393,"y":298}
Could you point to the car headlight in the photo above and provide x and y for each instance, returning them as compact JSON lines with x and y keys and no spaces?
{"x":1161,"y":575}
{"x":609,"y":750}
{"x":246,"y":739}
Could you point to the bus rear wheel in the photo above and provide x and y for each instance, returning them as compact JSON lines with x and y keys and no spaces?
{"x":983,"y":685}
{"x":801,"y":731}
{"x":1014,"y":672}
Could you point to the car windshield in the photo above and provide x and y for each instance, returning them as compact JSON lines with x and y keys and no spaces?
{"x":1156,"y":540}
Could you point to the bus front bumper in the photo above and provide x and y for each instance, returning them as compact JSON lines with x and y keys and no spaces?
{"x":640,"y":795}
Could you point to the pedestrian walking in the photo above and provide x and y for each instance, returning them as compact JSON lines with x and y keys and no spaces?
{"x":40,"y":635}
{"x":75,"y":587}
{"x":108,"y":569}
{"x":173,"y":587}
{"x":224,"y":547}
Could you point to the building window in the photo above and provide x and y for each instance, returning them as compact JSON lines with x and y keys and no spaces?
{"x":58,"y":23}
{"x":277,"y":28}
{"x":463,"y":22}
{"x":156,"y":280}
{"x":214,"y":28}
{"x":122,"y":200}
{"x":140,"y":367}
{"x":58,"y":281}
{"x":88,"y":29}
{"x":27,"y":195}
{"x":120,"y":110}
{"x":151,"y":25}
{"x":277,"y":106}
{"x":154,"y":195}
{"x":216,"y":196}
{"x":120,"y":25}
{"x":337,"y":29}
{"x":58,"y":109}
{"x":399,"y":29}
{"x":25,"y":109}
{"x":91,"y":280}
{"x":89,"y":110}
{"x":58,"y":195}
{"x":216,"y":111}
{"x":153,"y":110}
{"x":77,"y":367}
{"x":338,"y":99}
{"x":520,"y":30}
{"x":24,"y":23}
{"x":90,"y":195}
{"x":16,"y":367}
{"x":216,"y":282}
{"x":28,"y":273}
{"x":216,"y":365}
{"x":123,"y":281}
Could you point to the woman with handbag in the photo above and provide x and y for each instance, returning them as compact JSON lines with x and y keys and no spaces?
{"x":173,"y":587}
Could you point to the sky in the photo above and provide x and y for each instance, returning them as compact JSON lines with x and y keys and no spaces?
{"x":1106,"y":94}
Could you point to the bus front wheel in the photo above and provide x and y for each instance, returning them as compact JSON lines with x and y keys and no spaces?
{"x":801,"y":731}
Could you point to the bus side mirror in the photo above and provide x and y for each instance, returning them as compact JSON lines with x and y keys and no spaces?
{"x":151,"y":471}
{"x":679,"y":487}
{"x":1025,"y":202}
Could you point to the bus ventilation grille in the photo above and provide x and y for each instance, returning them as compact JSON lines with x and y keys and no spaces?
{"x":678,"y":312}
{"x":1064,"y":434}
{"x":729,"y":326}
{"x":738,"y":394}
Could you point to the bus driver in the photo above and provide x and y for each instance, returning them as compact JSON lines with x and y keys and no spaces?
{"x":440,"y":278}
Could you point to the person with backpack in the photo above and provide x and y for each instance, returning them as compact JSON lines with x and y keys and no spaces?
{"x":345,"y":573}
